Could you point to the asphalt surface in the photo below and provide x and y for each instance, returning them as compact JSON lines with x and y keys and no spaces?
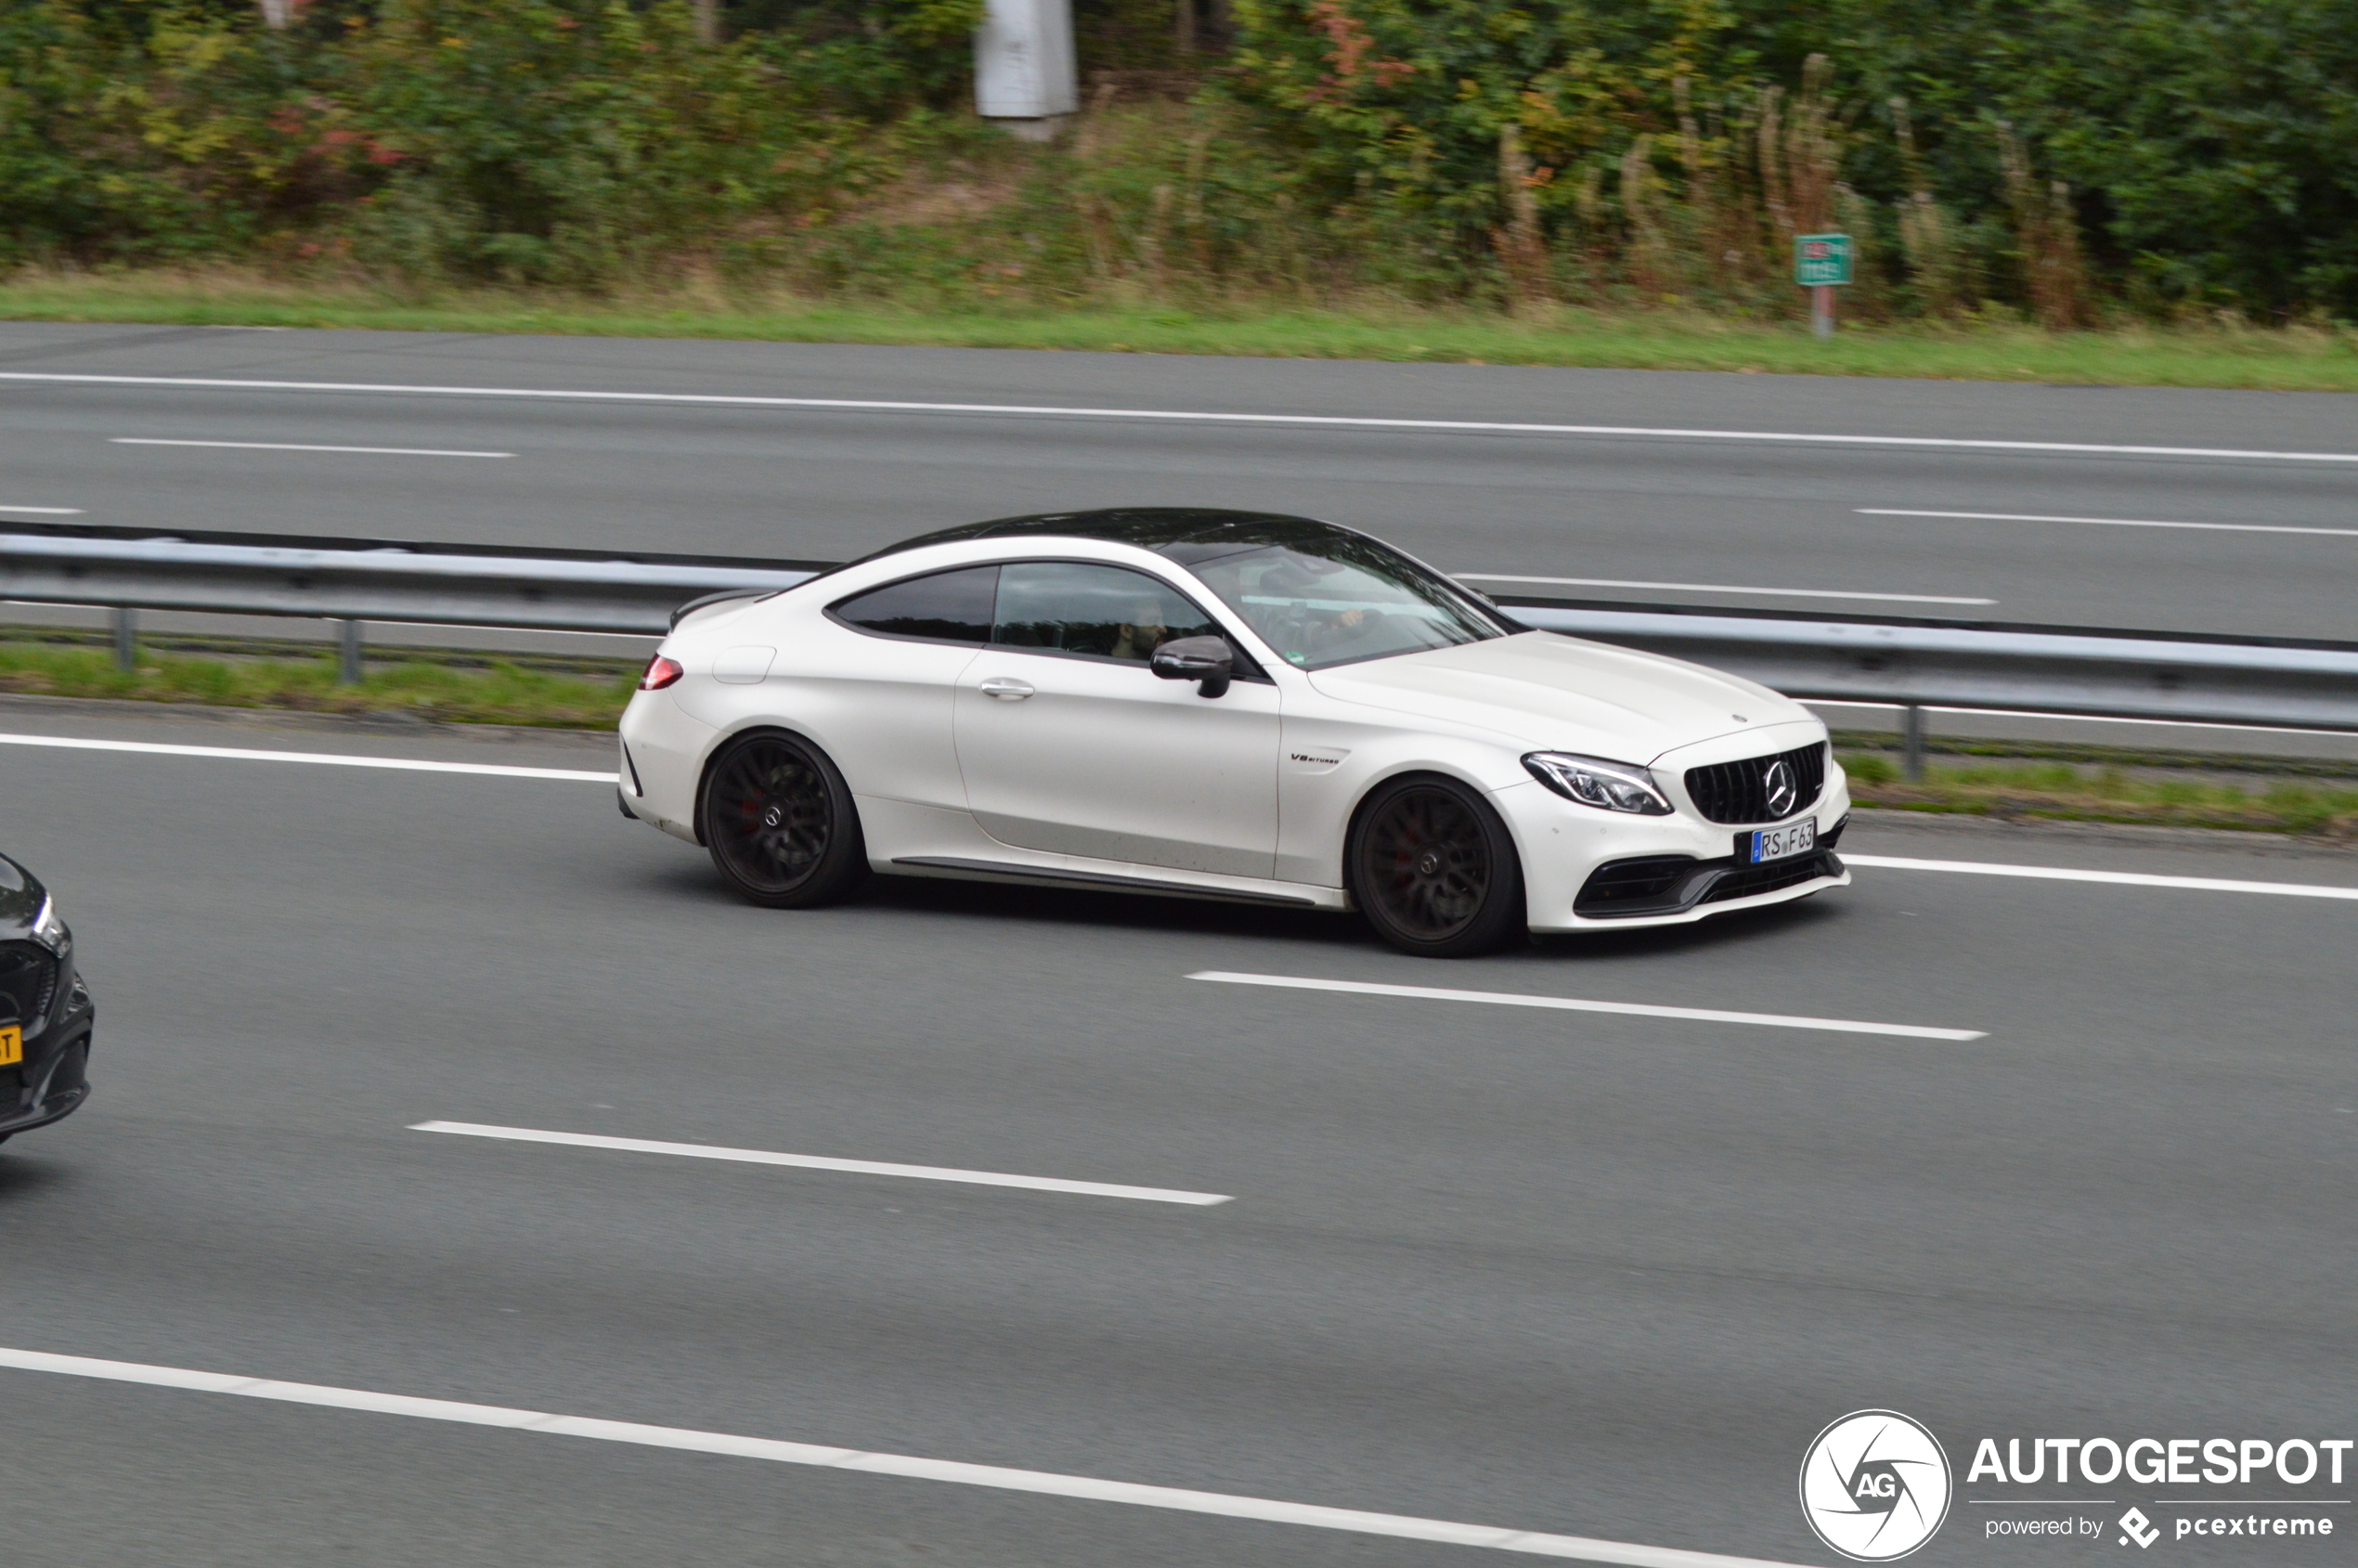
{"x":1596,"y":1274}
{"x":814,"y":484}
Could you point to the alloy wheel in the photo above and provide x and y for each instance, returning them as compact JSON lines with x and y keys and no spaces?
{"x":1425,"y":863}
{"x":771,"y":815}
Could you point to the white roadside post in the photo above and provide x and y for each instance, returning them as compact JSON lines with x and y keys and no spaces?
{"x":1024,"y":67}
{"x":1821,"y":263}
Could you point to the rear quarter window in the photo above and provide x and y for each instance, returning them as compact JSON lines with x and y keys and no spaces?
{"x":953,"y":606}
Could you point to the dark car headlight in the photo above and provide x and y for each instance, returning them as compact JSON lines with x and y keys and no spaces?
{"x":1592,"y":780}
{"x":50,"y":930}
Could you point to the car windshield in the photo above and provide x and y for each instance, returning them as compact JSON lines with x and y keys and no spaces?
{"x":1344,"y":600}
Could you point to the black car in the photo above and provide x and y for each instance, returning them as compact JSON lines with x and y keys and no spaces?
{"x":45,"y":1008}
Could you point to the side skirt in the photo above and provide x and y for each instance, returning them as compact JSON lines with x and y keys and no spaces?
{"x":1002,"y":869}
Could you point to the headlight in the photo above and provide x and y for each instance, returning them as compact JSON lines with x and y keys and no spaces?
{"x":50,"y":929}
{"x":1592,"y":780}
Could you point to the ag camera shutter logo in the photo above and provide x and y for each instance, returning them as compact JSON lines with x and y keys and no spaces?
{"x":1875,"y":1485}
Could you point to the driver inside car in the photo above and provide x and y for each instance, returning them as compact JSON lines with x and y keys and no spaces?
{"x":1137,"y":638}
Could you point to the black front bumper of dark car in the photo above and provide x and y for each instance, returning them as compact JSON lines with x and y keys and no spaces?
{"x":54,"y":1078}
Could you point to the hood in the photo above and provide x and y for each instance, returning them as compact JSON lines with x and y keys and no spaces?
{"x":1561,"y":694}
{"x":20,"y":899}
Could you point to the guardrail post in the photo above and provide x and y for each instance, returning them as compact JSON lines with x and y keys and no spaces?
{"x":126,"y":638}
{"x":348,"y":665}
{"x":1912,"y":746}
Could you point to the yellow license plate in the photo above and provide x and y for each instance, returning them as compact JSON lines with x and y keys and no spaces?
{"x":11,"y":1045}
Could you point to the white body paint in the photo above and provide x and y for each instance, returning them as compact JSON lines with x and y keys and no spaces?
{"x":1104,"y":771}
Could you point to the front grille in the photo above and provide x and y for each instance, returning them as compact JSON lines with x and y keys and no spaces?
{"x":28,"y":981}
{"x":1754,"y":879}
{"x":1738,"y":792}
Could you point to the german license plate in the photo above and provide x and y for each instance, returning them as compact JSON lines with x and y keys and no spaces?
{"x":11,"y":1045}
{"x":1780,"y":843}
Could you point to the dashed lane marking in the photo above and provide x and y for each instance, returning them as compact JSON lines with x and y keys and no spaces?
{"x":823,"y":1162}
{"x":1727,"y":588}
{"x":1578,"y":1005}
{"x":2106,"y":522}
{"x":300,"y":446}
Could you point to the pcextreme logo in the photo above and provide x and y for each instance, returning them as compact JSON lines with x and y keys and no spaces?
{"x":1875,"y":1485}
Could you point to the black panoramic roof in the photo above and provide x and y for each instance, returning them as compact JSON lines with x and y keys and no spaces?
{"x":1184,"y":534}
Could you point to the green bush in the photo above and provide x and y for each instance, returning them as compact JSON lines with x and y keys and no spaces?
{"x":2057,"y":158}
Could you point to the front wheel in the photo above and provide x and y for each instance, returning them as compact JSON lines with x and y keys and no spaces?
{"x":780,"y":823}
{"x":1433,"y":867}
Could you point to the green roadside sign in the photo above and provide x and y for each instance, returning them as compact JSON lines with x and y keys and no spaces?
{"x":1819,"y":260}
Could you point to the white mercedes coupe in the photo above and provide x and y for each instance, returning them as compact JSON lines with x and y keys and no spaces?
{"x":1221,"y":705}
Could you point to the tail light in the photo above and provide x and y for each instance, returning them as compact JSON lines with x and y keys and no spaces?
{"x":661,"y":672}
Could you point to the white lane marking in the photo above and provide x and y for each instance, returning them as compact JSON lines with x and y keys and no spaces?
{"x":821,"y":1162}
{"x":1575,"y":1005}
{"x":1728,"y":588}
{"x":2125,"y":878}
{"x":299,"y":447}
{"x":1050,"y":1484}
{"x":44,"y":511}
{"x":2106,"y":522}
{"x":319,"y":758}
{"x":1333,"y":421}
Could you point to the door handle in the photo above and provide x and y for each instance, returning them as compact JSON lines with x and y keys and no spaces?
{"x":1006,"y":686}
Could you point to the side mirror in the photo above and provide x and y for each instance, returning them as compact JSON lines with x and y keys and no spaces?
{"x":1208,"y":660}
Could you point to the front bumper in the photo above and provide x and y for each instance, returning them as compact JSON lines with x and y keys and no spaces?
{"x":52,"y":1080}
{"x":1654,"y":885}
{"x":1590,"y":871}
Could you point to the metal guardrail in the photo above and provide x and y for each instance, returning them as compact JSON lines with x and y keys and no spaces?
{"x":2037,"y":670}
{"x":1909,"y":663}
{"x":371,"y":579}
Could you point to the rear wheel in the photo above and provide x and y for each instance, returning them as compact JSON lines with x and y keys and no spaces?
{"x":1433,"y":867}
{"x":780,"y":822}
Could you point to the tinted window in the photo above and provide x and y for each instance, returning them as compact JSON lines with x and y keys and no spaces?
{"x":1103,"y":612}
{"x":944,"y":608}
{"x":1342,"y":601}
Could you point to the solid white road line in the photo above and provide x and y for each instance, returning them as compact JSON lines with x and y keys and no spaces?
{"x":296,"y":446}
{"x":998,"y":1477}
{"x":43,"y":510}
{"x":1575,"y":1004}
{"x":1728,"y":588}
{"x":2125,"y":878}
{"x":2106,"y":522}
{"x":1333,"y":421}
{"x":820,"y":1162}
{"x":320,"y":759}
{"x":583,"y":776}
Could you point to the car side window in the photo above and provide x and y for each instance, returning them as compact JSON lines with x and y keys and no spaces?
{"x":939,"y":608}
{"x":1098,"y":611}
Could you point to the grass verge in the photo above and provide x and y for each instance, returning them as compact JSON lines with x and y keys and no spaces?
{"x":578,"y":695}
{"x":2290,"y":359}
{"x":2106,"y":792}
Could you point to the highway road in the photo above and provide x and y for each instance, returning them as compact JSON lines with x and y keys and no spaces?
{"x":1596,"y":1274}
{"x":2219,"y":512}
